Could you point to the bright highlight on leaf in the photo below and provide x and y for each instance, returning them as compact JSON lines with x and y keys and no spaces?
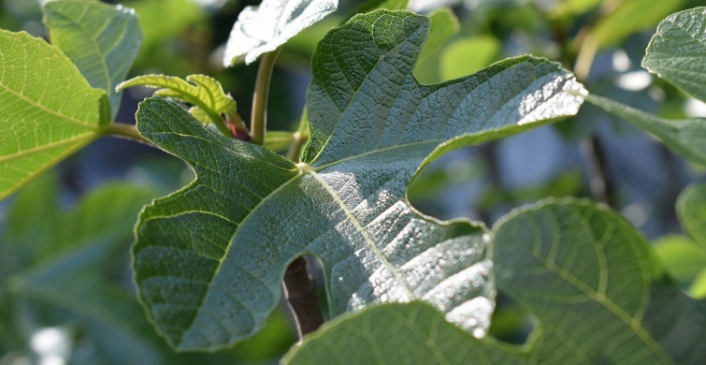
{"x":48,"y":110}
{"x":677,"y":51}
{"x":203,"y":92}
{"x":262,"y":29}
{"x":100,"y":39}
{"x":584,"y":273}
{"x":210,"y":258}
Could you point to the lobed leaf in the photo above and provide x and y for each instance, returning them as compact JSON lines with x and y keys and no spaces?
{"x":100,"y":39}
{"x":677,"y":51}
{"x":204,"y":92}
{"x":691,"y":209}
{"x":563,"y":260}
{"x":210,"y":258}
{"x":47,"y":109}
{"x":263,"y":29}
{"x":685,"y":137}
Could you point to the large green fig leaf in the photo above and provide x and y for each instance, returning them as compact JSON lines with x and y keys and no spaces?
{"x":677,"y":51}
{"x":209,"y":259}
{"x":262,"y":29}
{"x":102,"y":40}
{"x":47,"y":109}
{"x":585,"y":274}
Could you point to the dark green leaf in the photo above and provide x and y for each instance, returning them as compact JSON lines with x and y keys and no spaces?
{"x":210,"y":258}
{"x":586,"y":275}
{"x":100,"y":39}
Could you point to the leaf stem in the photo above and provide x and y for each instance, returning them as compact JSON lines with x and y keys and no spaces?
{"x":126,"y":131}
{"x":300,"y":137}
{"x":258,"y":118}
{"x":303,"y":297}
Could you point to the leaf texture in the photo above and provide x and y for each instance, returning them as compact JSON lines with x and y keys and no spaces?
{"x":565,"y":261}
{"x":209,"y":259}
{"x":677,"y":51}
{"x":691,"y":209}
{"x":47,"y":109}
{"x":100,"y":39}
{"x":204,"y":92}
{"x":262,"y":29}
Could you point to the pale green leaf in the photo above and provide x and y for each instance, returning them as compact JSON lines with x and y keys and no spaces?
{"x":686,"y":137}
{"x":100,"y":39}
{"x":278,"y":140}
{"x":262,"y":29}
{"x":626,"y":17}
{"x":479,"y":52}
{"x":210,"y":258}
{"x":691,"y":208}
{"x":698,"y":287}
{"x":47,"y":109}
{"x":204,"y":92}
{"x":395,"y":334}
{"x":444,"y":25}
{"x":583,"y":272}
{"x":677,"y":51}
{"x":682,"y":258}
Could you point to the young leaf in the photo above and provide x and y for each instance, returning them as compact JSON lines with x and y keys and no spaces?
{"x":102,"y":40}
{"x":691,"y":208}
{"x":47,"y":109}
{"x":209,"y":259}
{"x":684,"y":137}
{"x":563,"y":260}
{"x":204,"y":92}
{"x":263,"y":29}
{"x":677,"y":51}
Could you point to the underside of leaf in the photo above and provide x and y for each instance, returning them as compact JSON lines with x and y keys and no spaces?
{"x":209,"y":259}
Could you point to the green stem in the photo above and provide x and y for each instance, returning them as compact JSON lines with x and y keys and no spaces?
{"x":258,"y":119}
{"x":124,"y":130}
{"x":300,"y":137}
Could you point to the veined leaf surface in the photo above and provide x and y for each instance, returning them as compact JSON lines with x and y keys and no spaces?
{"x":691,"y":208}
{"x":102,"y":40}
{"x":262,"y":29}
{"x":47,"y":109}
{"x":677,"y":51}
{"x":209,"y":259}
{"x":565,"y":261}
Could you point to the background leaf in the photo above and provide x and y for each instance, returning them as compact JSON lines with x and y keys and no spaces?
{"x":685,"y":137}
{"x":691,"y":208}
{"x":677,"y":51}
{"x":48,"y":109}
{"x":100,"y":39}
{"x":625,"y":17}
{"x":213,"y":281}
{"x":263,"y":29}
{"x":564,"y":261}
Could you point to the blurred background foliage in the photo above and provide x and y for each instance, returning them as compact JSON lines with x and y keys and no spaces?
{"x":66,"y":292}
